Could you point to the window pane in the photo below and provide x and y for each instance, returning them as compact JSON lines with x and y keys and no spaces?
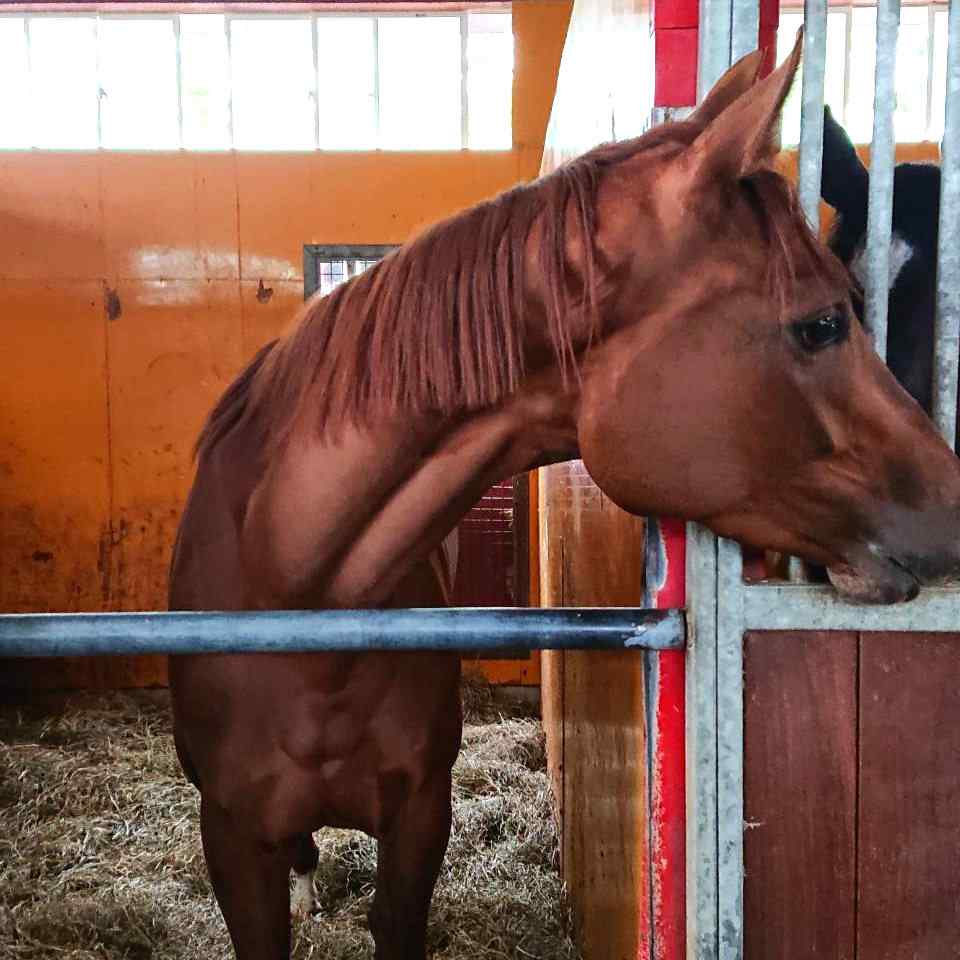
{"x":15,"y":83}
{"x":939,"y":75}
{"x":204,"y":81}
{"x":273,"y":84}
{"x":863,"y":65}
{"x":138,"y":83}
{"x":420,"y":83}
{"x":346,"y":64}
{"x":834,"y":74}
{"x":913,"y":58}
{"x":63,"y":79}
{"x":490,"y":81}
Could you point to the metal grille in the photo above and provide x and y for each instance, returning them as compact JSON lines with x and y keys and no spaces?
{"x":721,"y":605}
{"x":326,"y":266}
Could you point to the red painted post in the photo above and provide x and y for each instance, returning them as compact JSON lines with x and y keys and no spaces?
{"x":666,"y":587}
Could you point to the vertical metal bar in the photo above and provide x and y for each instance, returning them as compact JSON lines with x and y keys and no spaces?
{"x":948,"y":249}
{"x":315,"y":81}
{"x":376,"y":81}
{"x":931,"y":32}
{"x":882,"y":161}
{"x":744,"y":28}
{"x":714,"y":43}
{"x":229,"y":39}
{"x":730,"y":626}
{"x":31,"y":86}
{"x":847,"y":47}
{"x":99,"y":73}
{"x":811,"y":110}
{"x":179,"y":58}
{"x":464,"y":96}
{"x":701,"y":744}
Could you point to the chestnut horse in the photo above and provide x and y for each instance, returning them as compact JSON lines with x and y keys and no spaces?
{"x":658,"y":308}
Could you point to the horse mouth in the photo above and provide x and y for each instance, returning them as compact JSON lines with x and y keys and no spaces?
{"x":880,"y":580}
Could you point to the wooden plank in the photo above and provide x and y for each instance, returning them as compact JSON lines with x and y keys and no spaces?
{"x":909,"y":900}
{"x":800,"y":795}
{"x":592,"y":553}
{"x":605,"y":789}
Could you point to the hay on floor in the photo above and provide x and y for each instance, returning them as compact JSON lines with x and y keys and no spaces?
{"x":100,"y":853}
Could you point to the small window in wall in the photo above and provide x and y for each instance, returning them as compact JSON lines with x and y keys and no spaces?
{"x":326,"y":266}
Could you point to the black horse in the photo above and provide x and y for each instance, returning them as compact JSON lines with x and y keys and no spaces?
{"x":913,"y":254}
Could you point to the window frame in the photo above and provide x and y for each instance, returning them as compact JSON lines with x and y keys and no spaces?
{"x":315,"y":254}
{"x":314,"y":13}
{"x":847,"y":7}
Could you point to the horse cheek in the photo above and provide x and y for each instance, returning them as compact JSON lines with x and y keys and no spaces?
{"x":627,"y":449}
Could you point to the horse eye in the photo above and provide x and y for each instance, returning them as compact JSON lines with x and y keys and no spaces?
{"x":821,"y":331}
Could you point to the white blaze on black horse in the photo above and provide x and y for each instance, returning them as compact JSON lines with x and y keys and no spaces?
{"x":658,"y":308}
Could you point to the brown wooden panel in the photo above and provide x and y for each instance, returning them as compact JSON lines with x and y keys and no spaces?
{"x":592,"y":553}
{"x":909,"y":876}
{"x":605,"y":787}
{"x":800,"y":796}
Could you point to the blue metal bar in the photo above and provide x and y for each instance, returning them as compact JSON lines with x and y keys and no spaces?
{"x":98,"y":634}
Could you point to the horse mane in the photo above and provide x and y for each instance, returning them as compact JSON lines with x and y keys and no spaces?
{"x":438,"y":324}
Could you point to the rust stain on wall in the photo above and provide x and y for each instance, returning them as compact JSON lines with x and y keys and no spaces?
{"x":112,"y":307}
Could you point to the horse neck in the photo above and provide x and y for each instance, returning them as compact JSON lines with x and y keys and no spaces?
{"x":428,"y":491}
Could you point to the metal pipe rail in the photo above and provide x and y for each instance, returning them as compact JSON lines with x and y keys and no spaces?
{"x":300,"y":631}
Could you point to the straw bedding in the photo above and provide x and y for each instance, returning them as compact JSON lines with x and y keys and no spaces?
{"x":100,"y":854}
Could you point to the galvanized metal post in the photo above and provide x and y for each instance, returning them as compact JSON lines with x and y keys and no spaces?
{"x":811,"y":109}
{"x":701,"y":744}
{"x":744,"y":29}
{"x":948,"y":252}
{"x":714,"y":40}
{"x":730,"y":820}
{"x":882,"y":161}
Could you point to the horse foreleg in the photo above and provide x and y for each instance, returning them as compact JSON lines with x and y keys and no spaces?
{"x":409,"y":858}
{"x":305,"y":859}
{"x":251,"y":881}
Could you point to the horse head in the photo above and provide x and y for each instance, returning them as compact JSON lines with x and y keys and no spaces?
{"x":734,"y":385}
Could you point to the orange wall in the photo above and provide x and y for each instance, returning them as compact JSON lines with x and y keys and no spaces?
{"x":133,"y":287}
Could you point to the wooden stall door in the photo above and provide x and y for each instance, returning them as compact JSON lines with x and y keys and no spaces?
{"x":852,"y":796}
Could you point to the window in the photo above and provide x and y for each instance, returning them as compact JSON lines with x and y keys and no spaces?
{"x":850,"y":66}
{"x":207,"y":81}
{"x":326,"y":266}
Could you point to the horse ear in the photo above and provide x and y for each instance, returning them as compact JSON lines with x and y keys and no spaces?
{"x":732,"y":85}
{"x":745,"y":136}
{"x":844,"y":181}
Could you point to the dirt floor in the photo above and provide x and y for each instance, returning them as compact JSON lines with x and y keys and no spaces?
{"x":100,"y":853}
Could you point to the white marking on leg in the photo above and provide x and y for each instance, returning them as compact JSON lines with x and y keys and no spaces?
{"x":303,"y":900}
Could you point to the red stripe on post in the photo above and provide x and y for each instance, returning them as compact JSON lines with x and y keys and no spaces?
{"x":668,"y":789}
{"x":675,"y":83}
